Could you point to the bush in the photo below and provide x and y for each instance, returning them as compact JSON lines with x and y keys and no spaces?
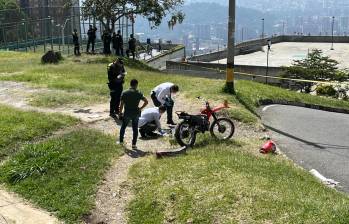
{"x":326,"y":90}
{"x":51,"y":57}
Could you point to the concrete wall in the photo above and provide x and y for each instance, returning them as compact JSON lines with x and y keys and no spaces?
{"x":217,"y":71}
{"x":251,"y":46}
{"x":159,"y":62}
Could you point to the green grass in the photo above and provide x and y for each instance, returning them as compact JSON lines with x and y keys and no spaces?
{"x":61,"y":174}
{"x":84,"y":81}
{"x":17,"y":127}
{"x":250,"y":93}
{"x":226,"y":183}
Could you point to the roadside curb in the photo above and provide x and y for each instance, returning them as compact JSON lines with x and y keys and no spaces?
{"x":266,"y":102}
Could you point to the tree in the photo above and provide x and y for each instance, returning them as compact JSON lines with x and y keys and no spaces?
{"x":9,"y":13}
{"x":315,"y":67}
{"x":108,"y":12}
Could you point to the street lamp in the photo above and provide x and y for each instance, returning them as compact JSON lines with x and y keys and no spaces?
{"x":231,"y":48}
{"x":63,"y":36}
{"x":262,"y":28}
{"x":52,"y":26}
{"x":332,"y":48}
{"x":267,"y":71}
{"x":26,"y":34}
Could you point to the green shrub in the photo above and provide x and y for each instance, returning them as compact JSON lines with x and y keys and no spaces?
{"x":326,"y":90}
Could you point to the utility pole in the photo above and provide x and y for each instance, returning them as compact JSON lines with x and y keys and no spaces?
{"x":332,"y":48}
{"x":267,"y":70}
{"x":231,"y":48}
{"x":262,"y":28}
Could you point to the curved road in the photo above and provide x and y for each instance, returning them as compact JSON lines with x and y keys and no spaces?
{"x":313,"y":139}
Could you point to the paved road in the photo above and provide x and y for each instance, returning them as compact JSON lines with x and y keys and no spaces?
{"x":313,"y":139}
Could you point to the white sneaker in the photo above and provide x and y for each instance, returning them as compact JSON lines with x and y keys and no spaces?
{"x":120,"y":143}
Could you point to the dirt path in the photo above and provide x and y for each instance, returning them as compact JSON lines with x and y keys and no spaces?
{"x":114,"y":192}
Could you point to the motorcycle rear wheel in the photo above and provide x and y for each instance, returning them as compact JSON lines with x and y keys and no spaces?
{"x":185,"y":135}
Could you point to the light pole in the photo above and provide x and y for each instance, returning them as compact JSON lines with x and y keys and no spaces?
{"x":26,"y":34}
{"x":332,"y":48}
{"x":242,"y":34}
{"x":63,"y":36}
{"x":267,"y":71}
{"x":263,"y":28}
{"x":231,"y":48}
{"x":52,"y":25}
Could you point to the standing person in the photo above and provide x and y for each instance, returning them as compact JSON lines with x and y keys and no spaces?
{"x":106,"y":37}
{"x":91,"y":34}
{"x":76,"y":43}
{"x":116,"y":77}
{"x":115,"y":44}
{"x":130,"y":100}
{"x":159,"y":47}
{"x":119,"y":44}
{"x":150,"y":121}
{"x":132,"y":47}
{"x":162,"y":95}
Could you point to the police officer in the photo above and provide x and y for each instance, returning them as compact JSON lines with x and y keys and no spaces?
{"x":91,"y":33}
{"x":76,"y":43}
{"x":132,"y":47}
{"x":116,"y":77}
{"x":106,"y":37}
{"x":118,"y":43}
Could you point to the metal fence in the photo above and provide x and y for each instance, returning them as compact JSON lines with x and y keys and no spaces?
{"x":40,"y":29}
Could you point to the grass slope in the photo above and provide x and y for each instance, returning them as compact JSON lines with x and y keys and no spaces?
{"x":226,"y":183}
{"x":61,"y":174}
{"x":250,"y":93}
{"x":18,"y":126}
{"x":84,"y":81}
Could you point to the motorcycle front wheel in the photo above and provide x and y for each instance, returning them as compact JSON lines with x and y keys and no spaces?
{"x":185,"y":134}
{"x":222,"y":129}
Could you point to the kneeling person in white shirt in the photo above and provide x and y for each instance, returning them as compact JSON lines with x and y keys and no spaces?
{"x":150,"y":121}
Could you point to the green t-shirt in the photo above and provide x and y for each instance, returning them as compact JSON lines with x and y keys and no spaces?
{"x":131,"y":99}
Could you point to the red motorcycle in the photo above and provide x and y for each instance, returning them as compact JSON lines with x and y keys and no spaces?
{"x":221,"y":128}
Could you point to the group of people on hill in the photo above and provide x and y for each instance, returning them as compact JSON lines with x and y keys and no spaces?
{"x":124,"y":105}
{"x":109,"y":39}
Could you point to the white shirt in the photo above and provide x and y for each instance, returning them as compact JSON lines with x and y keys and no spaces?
{"x":162,"y":91}
{"x":150,"y":115}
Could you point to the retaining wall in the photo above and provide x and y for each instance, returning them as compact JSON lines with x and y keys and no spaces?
{"x":251,"y":46}
{"x":159,"y":62}
{"x":217,"y":71}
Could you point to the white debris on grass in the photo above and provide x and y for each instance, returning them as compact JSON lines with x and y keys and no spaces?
{"x":328,"y":182}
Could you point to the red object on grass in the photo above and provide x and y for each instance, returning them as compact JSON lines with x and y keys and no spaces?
{"x":269,"y":147}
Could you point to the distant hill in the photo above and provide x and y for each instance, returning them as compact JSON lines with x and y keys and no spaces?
{"x":207,"y":13}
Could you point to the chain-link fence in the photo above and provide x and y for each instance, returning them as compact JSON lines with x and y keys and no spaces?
{"x":40,"y":29}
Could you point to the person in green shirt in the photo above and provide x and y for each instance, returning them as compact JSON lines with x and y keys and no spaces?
{"x":130,"y":100}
